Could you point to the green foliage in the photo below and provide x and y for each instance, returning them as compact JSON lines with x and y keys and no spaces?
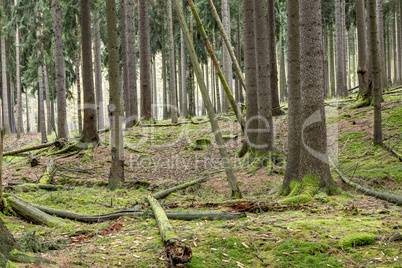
{"x":302,"y":192}
{"x":360,"y":239}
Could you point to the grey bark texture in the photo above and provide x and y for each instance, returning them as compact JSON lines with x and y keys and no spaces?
{"x":98,"y":72}
{"x":183,"y":73}
{"x":145,"y":60}
{"x":20,"y":123}
{"x":361,"y":42}
{"x":226,"y":60}
{"x":340,"y":83}
{"x":60,"y":72}
{"x":332,"y":63}
{"x":313,"y":155}
{"x":5,"y":118}
{"x":173,"y":91}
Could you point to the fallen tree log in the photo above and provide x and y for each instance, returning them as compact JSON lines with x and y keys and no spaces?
{"x":47,"y":177}
{"x":33,"y":148}
{"x":31,"y":213}
{"x":187,"y":216}
{"x":393,"y":152}
{"x":175,"y":125}
{"x":33,"y":160}
{"x":176,"y":251}
{"x":164,"y":193}
{"x":366,"y":191}
{"x":68,"y":149}
{"x":27,"y":187}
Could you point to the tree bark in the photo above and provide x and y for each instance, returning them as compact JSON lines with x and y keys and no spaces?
{"x":294,"y":110}
{"x":376,"y":65}
{"x":276,"y":107}
{"x":361,"y":41}
{"x":183,"y":73}
{"x":27,"y":111}
{"x":283,"y":88}
{"x":226,"y":60}
{"x":42,"y":122}
{"x":217,"y":90}
{"x":47,"y":95}
{"x":60,"y":72}
{"x":89,"y":132}
{"x":20,"y":123}
{"x":1,"y":167}
{"x":381,"y":44}
{"x":5,"y":118}
{"x":116,"y":176}
{"x":145,"y":60}
{"x":98,"y":71}
{"x":340,"y":83}
{"x":173,"y":91}
{"x":331,"y":63}
{"x":395,"y":43}
{"x":313,"y":155}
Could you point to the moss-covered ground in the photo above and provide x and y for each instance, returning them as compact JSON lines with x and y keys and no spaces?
{"x":349,"y":230}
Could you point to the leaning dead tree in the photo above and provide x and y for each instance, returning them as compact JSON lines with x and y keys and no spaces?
{"x":176,"y":251}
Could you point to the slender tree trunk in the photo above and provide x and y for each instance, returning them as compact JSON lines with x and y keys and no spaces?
{"x":145,"y":60}
{"x":155,"y":91}
{"x":332,"y":62}
{"x":179,"y":80}
{"x":326,"y":64}
{"x":352,"y":52}
{"x":226,"y":60}
{"x":42,"y":124}
{"x":77,"y":70}
{"x":165,"y":104}
{"x":276,"y":108}
{"x":395,"y":42}
{"x":218,"y":98}
{"x":348,"y":77}
{"x":381,"y":43}
{"x":132,"y":64}
{"x":344,"y":49}
{"x":98,"y":71}
{"x":47,"y":93}
{"x":191,"y":93}
{"x":369,"y":92}
{"x":239,"y":57}
{"x":89,"y":132}
{"x":388,"y":34}
{"x":13,"y":128}
{"x":265,"y":138}
{"x":172,"y":64}
{"x":60,"y":72}
{"x":313,"y":154}
{"x":400,"y":41}
{"x":27,"y":111}
{"x":5,"y":104}
{"x":376,"y":65}
{"x":116,"y":177}
{"x":361,"y":41}
{"x":283,"y":87}
{"x":124,"y":59}
{"x":294,"y":116}
{"x":183,"y":73}
{"x":20,"y":123}
{"x":250,"y":65}
{"x":339,"y":49}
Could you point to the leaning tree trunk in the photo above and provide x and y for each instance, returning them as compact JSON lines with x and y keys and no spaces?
{"x":145,"y":60}
{"x":60,"y":72}
{"x":116,"y":177}
{"x":173,"y":91}
{"x":98,"y":71}
{"x":313,"y":155}
{"x":89,"y":132}
{"x":376,"y":67}
{"x":294,"y":134}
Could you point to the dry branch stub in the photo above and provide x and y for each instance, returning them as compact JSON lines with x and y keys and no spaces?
{"x":176,"y":251}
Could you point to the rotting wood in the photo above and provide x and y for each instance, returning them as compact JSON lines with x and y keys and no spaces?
{"x":366,"y":191}
{"x":176,"y":251}
{"x":393,"y":152}
{"x":47,"y":177}
{"x":27,"y":187}
{"x":33,"y":148}
{"x":31,"y":213}
{"x":253,"y":206}
{"x":33,"y":160}
{"x":164,"y":193}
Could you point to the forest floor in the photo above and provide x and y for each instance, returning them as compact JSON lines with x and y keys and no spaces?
{"x":337,"y":231}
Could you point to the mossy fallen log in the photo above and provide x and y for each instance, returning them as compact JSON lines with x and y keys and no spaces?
{"x":176,"y":251}
{"x":31,"y":213}
{"x":29,"y":187}
{"x":29,"y":149}
{"x":366,"y":191}
{"x":47,"y":177}
{"x":186,"y":216}
{"x":393,"y":152}
{"x":164,"y":193}
{"x":71,"y":148}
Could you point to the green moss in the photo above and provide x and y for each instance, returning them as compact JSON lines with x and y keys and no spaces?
{"x":201,"y":144}
{"x":360,"y":104}
{"x":361,"y":239}
{"x":302,"y":192}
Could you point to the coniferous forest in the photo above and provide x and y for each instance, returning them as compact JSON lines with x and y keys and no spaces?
{"x":201,"y":133}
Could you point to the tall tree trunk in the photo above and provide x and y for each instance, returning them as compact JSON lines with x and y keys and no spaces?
{"x":332,"y":62}
{"x":98,"y":71}
{"x":226,"y":60}
{"x":294,"y":117}
{"x":89,"y":132}
{"x":395,"y":43}
{"x":183,"y":73}
{"x":344,"y":49}
{"x":361,"y":41}
{"x":27,"y":111}
{"x":376,"y":65}
{"x":42,"y":124}
{"x":191,"y":94}
{"x":13,"y":128}
{"x":381,"y":43}
{"x":283,"y":88}
{"x":326,"y":64}
{"x":340,"y":83}
{"x":124,"y":57}
{"x":173,"y":91}
{"x":145,"y":60}
{"x":155,"y":91}
{"x":116,"y":177}
{"x":352,"y":52}
{"x":218,"y":98}
{"x":313,"y":155}
{"x":47,"y":95}
{"x":348,"y":77}
{"x":388,"y":46}
{"x":77,"y":70}
{"x":276,"y":108}
{"x":4,"y":86}
{"x":165,"y":104}
{"x":400,"y":41}
{"x":265,"y":138}
{"x":179,"y":80}
{"x":132,"y":63}
{"x":20,"y":122}
{"x":60,"y":72}
{"x":250,"y":65}
{"x":369,"y":92}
